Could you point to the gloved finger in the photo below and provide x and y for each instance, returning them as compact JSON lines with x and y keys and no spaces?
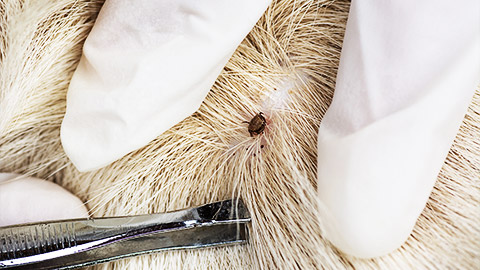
{"x":407,"y":74}
{"x":146,"y":66}
{"x":29,"y":199}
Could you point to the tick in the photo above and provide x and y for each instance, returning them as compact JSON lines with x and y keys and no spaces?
{"x":257,"y":125}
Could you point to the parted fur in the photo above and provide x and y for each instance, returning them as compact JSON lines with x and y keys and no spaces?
{"x":285,"y":68}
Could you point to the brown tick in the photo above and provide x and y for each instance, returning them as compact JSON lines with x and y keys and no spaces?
{"x":257,"y":125}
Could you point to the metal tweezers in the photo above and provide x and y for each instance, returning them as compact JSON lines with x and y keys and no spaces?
{"x":68,"y":244}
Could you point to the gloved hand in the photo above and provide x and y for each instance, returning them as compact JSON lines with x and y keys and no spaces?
{"x":28,"y":199}
{"x":145,"y":67}
{"x":407,"y":74}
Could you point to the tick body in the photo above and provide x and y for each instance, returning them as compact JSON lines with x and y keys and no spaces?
{"x":257,"y":125}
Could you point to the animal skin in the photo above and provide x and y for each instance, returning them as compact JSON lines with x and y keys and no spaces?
{"x":285,"y":68}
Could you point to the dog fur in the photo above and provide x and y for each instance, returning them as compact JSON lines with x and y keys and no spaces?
{"x":285,"y":68}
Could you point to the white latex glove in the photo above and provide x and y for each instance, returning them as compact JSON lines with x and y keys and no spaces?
{"x":30,"y":199}
{"x":407,"y":74}
{"x":146,"y":66}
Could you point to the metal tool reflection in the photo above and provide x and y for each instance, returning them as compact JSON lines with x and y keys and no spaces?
{"x":76,"y":243}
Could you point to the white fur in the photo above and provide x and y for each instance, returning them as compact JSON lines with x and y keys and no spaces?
{"x":210,"y":155}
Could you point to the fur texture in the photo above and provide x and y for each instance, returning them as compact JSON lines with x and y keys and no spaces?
{"x":285,"y":68}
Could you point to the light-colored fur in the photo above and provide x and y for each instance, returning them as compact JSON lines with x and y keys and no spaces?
{"x":286,"y":69}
